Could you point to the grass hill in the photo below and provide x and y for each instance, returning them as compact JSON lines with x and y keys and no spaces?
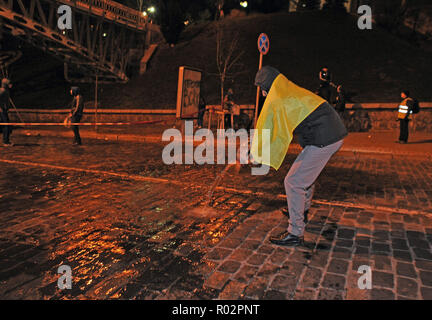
{"x":372,"y":64}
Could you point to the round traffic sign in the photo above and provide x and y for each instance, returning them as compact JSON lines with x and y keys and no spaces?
{"x":263,"y":43}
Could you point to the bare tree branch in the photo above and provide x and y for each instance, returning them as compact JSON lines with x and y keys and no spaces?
{"x":228,"y":57}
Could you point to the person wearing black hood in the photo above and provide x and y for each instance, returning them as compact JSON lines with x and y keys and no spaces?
{"x":325,"y":89}
{"x":288,"y":110}
{"x":201,"y":110}
{"x":76,"y":112}
{"x":5,"y":105}
{"x":340,"y":102}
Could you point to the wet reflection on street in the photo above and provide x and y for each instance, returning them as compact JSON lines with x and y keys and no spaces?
{"x":126,"y":238}
{"x":111,"y":232}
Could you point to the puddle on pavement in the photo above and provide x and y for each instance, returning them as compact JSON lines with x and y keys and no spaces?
{"x":207,"y":210}
{"x":209,"y":200}
{"x":202,"y":212}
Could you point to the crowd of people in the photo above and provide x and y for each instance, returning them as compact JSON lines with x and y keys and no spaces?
{"x":235,"y":118}
{"x":315,"y":117}
{"x":336,"y":96}
{"x":75,"y":115}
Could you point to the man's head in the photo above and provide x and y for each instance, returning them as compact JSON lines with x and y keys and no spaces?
{"x":6,"y":83}
{"x":265,"y":77}
{"x":325,"y":74}
{"x":405,"y":94}
{"x":74,"y":91}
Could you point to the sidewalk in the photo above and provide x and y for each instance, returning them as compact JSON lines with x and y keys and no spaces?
{"x":377,"y":143}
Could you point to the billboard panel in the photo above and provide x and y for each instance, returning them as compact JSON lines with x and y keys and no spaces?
{"x":188,"y":92}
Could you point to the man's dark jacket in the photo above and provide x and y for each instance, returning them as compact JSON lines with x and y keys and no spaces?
{"x":325,"y":91}
{"x":77,"y":103}
{"x":4,"y":99}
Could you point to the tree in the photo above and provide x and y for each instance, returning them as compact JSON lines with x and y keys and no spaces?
{"x":391,"y":15}
{"x":140,"y":5}
{"x":335,"y":5}
{"x":171,"y":19}
{"x":267,"y":6}
{"x":199,"y":10}
{"x":228,"y":57}
{"x":308,"y":5}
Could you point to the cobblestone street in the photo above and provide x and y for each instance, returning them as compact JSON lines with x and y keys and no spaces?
{"x":131,"y":227}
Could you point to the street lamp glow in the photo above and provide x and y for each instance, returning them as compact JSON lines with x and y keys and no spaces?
{"x":244,"y":4}
{"x":152,"y":9}
{"x":144,"y":13}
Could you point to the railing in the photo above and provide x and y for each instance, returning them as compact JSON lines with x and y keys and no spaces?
{"x":111,"y":10}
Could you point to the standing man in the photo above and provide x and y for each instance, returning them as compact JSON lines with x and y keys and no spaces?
{"x":325,"y":89}
{"x":5,"y":105}
{"x":229,"y":105}
{"x":340,"y":102}
{"x":201,"y":110}
{"x":76,"y":112}
{"x":320,"y":130}
{"x":405,"y":109}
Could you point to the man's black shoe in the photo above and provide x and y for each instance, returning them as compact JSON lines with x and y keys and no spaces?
{"x":287,"y":239}
{"x":286,"y":213}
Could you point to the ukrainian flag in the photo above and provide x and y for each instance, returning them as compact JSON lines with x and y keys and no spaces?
{"x":285,"y":107}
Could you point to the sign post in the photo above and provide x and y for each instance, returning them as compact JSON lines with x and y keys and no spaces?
{"x":263,"y":48}
{"x":96,"y":102}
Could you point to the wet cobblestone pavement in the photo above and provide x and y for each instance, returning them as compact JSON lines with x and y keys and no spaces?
{"x":131,"y":227}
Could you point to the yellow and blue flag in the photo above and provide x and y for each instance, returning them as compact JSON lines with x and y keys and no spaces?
{"x":285,"y":107}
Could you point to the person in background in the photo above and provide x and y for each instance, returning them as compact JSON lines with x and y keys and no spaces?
{"x":340,"y":101}
{"x":404,"y":112}
{"x":76,"y":113}
{"x":201,"y":110}
{"x":6,"y":85}
{"x":229,"y":106}
{"x":326,"y":87}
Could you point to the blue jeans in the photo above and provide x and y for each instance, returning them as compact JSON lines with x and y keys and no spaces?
{"x":201,"y":117}
{"x":299,"y":182}
{"x":75,"y":129}
{"x":404,"y":125}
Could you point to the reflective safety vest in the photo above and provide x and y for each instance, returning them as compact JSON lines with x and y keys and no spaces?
{"x":403,"y":108}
